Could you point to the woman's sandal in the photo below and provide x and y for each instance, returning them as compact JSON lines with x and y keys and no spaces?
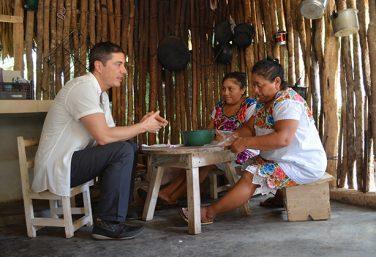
{"x":183,"y":212}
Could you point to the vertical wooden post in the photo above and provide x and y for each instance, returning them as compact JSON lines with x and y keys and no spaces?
{"x":29,"y":43}
{"x":330,"y":74}
{"x":18,"y":33}
{"x":153,"y":60}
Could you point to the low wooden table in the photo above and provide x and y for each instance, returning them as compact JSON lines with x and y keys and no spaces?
{"x":190,"y":159}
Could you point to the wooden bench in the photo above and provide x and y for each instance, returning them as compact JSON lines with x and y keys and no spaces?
{"x":66,"y":210}
{"x":309,"y":201}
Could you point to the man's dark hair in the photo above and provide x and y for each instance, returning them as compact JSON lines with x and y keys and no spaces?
{"x":102,"y":52}
{"x":239,"y":77}
{"x":270,"y":69}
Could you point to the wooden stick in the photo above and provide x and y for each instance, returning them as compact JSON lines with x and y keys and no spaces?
{"x":18,"y":33}
{"x":52,"y":56}
{"x":346,"y":57}
{"x":58,"y":50}
{"x":290,"y":41}
{"x":250,"y":50}
{"x":372,"y":58}
{"x":66,"y":47}
{"x":153,"y":60}
{"x":130,"y":55}
{"x":343,"y":169}
{"x":330,"y":94}
{"x":76,"y":41}
{"x":366,"y":171}
{"x":110,"y":25}
{"x":92,"y":22}
{"x":117,"y":21}
{"x":29,"y":43}
{"x":104,"y":20}
{"x":83,"y":41}
{"x":40,"y":50}
{"x":98,"y":18}
{"x":111,"y":20}
{"x":46,"y":48}
{"x":194,"y":67}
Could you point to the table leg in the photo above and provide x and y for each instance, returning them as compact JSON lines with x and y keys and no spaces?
{"x":232,"y":177}
{"x":193,"y":198}
{"x":151,"y":199}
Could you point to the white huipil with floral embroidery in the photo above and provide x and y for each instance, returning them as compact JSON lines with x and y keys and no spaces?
{"x":304,"y":159}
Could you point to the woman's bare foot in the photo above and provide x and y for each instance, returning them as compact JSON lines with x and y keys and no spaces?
{"x":207,"y":216}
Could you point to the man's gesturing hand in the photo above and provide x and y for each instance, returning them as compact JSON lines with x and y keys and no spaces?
{"x":152,"y":122}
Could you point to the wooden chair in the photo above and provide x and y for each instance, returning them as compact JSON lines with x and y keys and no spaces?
{"x":309,"y":201}
{"x":35,"y":223}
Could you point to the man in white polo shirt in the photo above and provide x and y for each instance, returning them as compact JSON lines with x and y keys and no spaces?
{"x":80,"y":141}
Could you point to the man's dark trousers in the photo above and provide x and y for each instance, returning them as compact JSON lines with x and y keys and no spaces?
{"x":114,"y":164}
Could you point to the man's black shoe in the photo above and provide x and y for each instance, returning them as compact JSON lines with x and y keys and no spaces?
{"x":104,"y":230}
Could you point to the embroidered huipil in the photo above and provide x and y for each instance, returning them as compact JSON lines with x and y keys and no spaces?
{"x":233,"y":122}
{"x":304,"y":160}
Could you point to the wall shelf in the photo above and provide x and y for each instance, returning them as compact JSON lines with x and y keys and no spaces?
{"x":24,"y":106}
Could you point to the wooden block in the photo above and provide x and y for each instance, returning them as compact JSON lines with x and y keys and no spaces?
{"x":311,"y":201}
{"x":11,"y":19}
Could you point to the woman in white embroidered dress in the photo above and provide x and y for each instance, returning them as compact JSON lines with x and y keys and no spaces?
{"x":283,"y":130}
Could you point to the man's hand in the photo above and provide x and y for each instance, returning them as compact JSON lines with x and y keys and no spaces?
{"x":152,"y":122}
{"x":146,"y":115}
{"x":239,"y":145}
{"x":161,"y":120}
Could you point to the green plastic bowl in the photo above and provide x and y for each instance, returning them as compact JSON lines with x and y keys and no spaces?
{"x":197,"y":137}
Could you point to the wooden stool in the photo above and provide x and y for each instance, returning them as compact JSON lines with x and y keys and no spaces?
{"x":309,"y":201}
{"x":33,"y":223}
{"x":214,"y":188}
{"x":232,"y":177}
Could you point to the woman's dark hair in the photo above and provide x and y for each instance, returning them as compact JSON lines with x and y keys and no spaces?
{"x":102,"y":52}
{"x":270,"y":69}
{"x":239,"y":77}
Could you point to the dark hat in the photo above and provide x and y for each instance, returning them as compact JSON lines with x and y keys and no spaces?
{"x":31,"y":4}
{"x":223,"y":53}
{"x":223,"y":33}
{"x":173,"y":53}
{"x":244,"y":34}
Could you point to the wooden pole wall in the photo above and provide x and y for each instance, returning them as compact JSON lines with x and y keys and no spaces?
{"x":332,"y":68}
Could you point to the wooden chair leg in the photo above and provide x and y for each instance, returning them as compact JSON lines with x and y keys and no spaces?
{"x":87,"y":206}
{"x":73,"y":201}
{"x":53,"y":209}
{"x":29,"y":216}
{"x":68,"y":221}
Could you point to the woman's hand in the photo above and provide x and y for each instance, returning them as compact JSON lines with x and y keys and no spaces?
{"x":239,"y":145}
{"x":219,"y":135}
{"x":225,"y":139}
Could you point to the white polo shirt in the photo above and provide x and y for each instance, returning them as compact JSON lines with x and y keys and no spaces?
{"x":63,"y":133}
